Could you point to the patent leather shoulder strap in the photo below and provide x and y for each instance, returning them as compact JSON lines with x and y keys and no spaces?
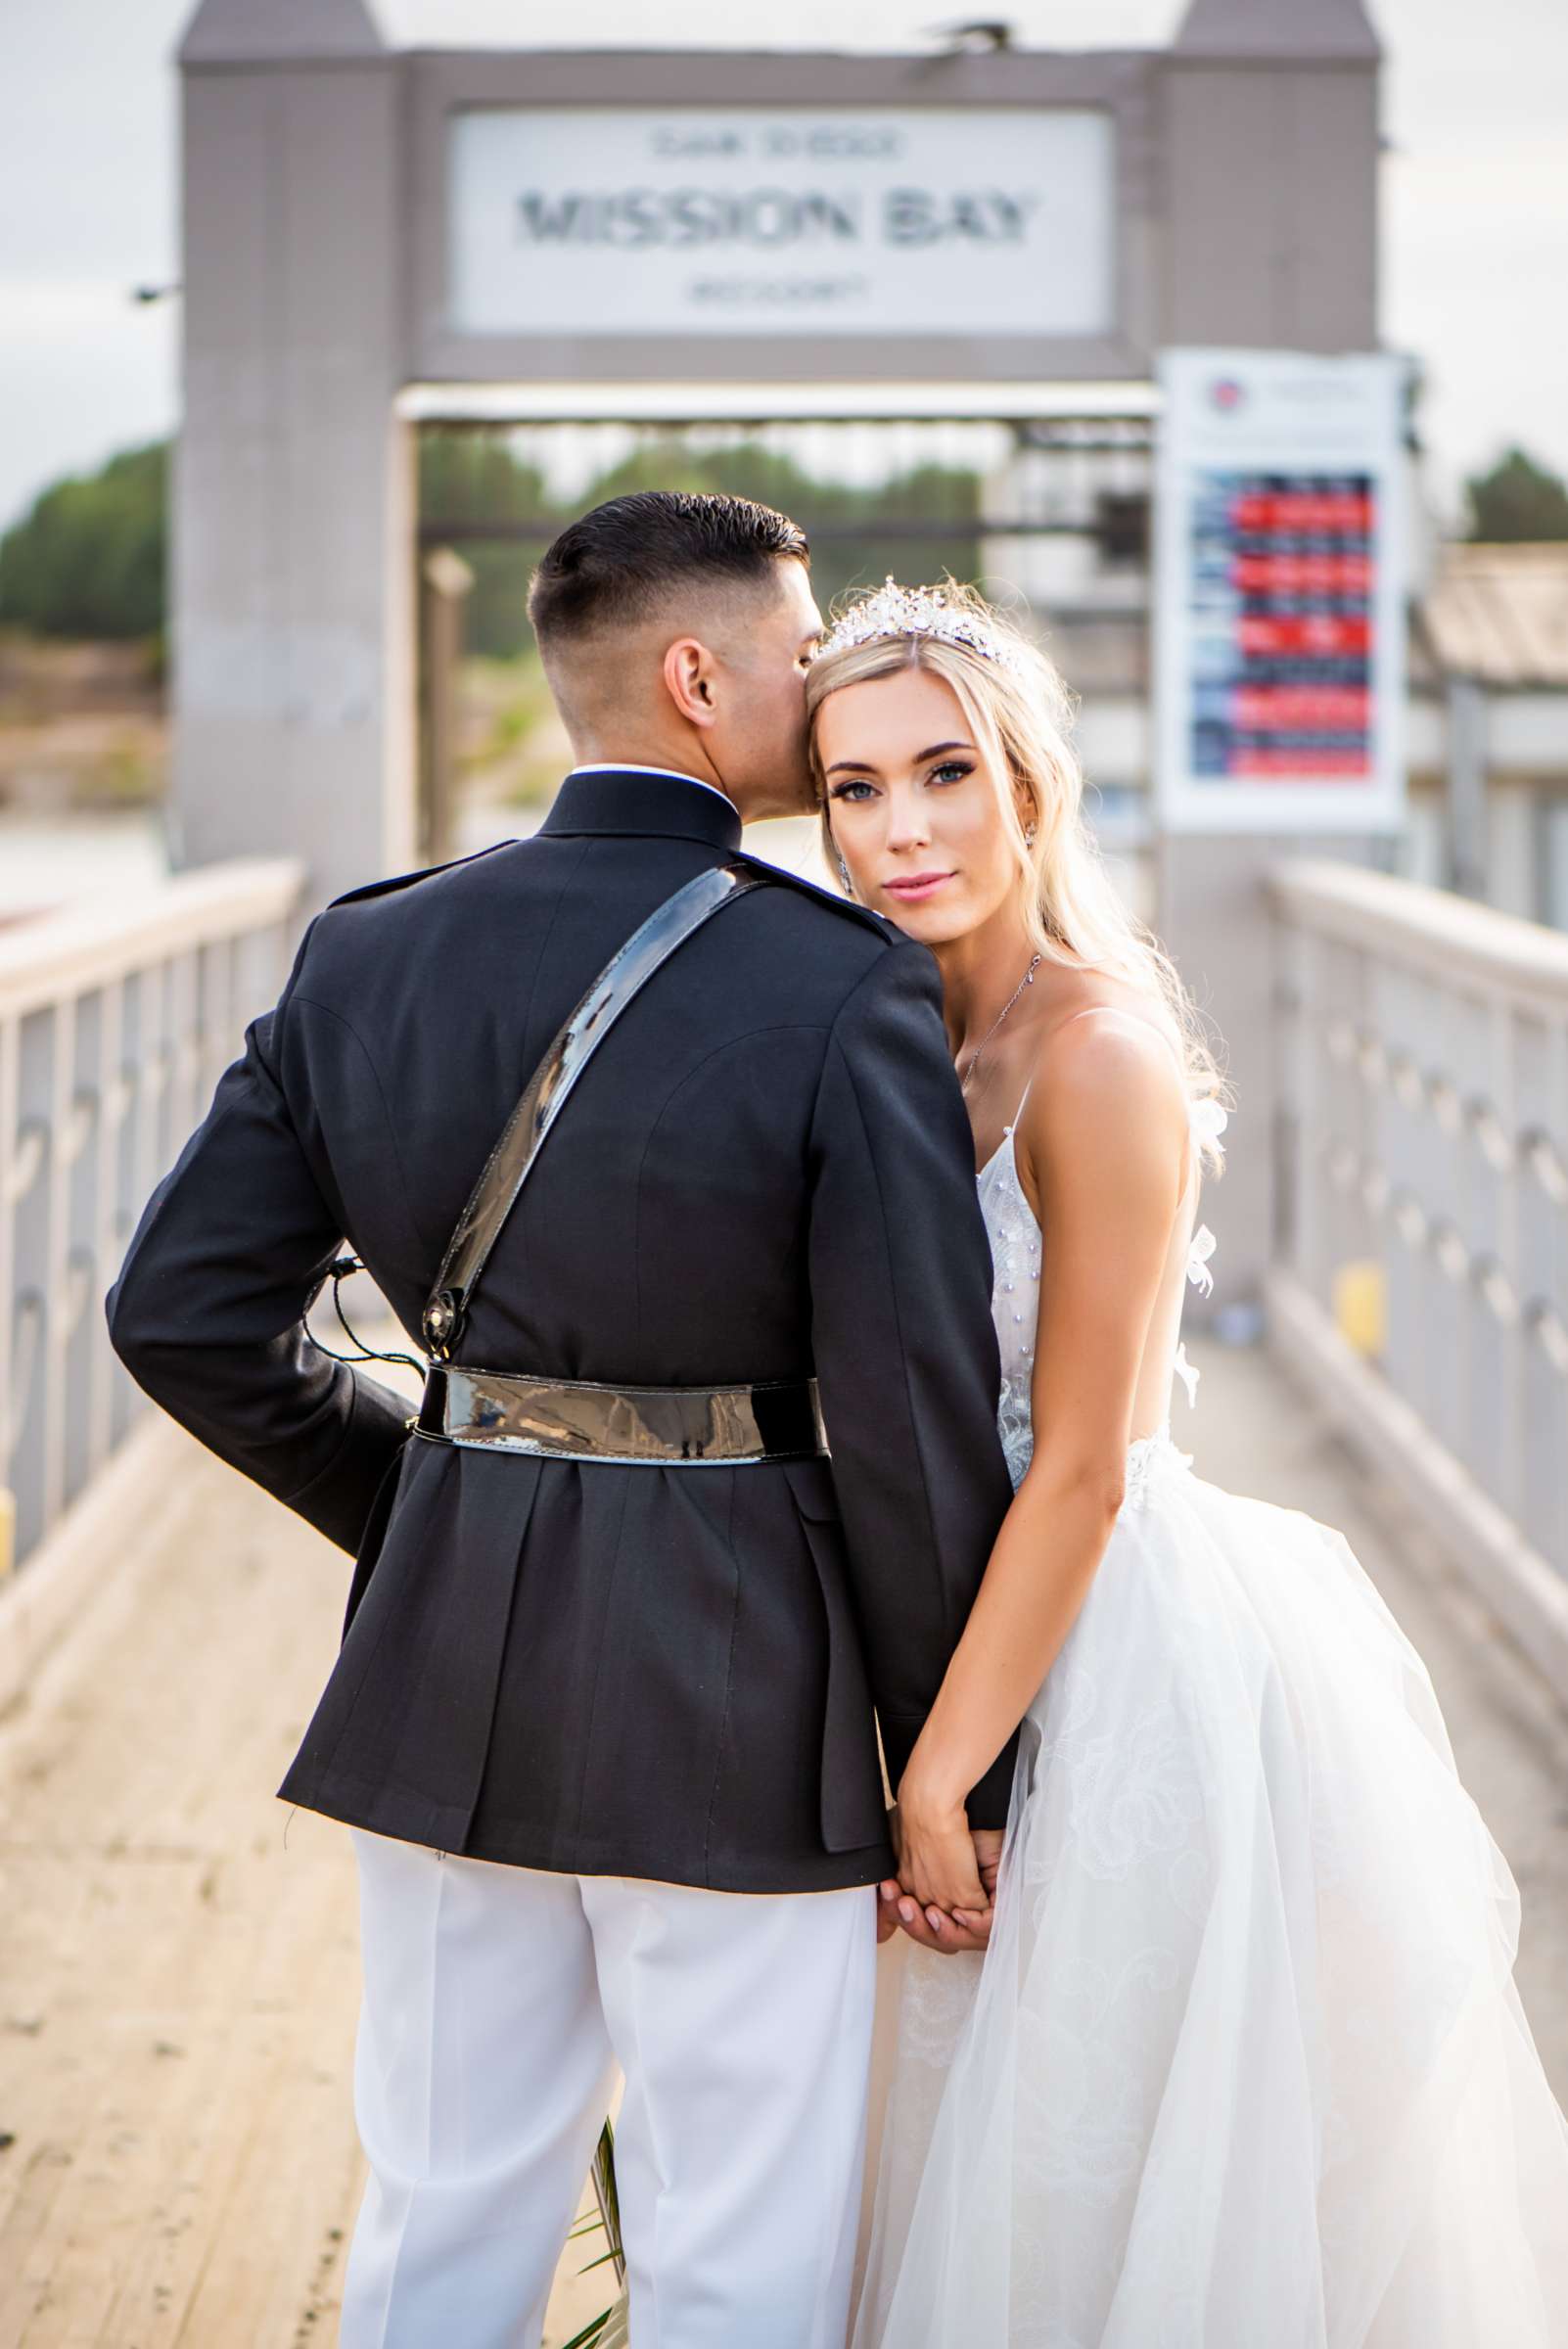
{"x":509,"y":1164}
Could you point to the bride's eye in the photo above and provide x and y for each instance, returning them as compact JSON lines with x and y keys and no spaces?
{"x":951,"y":770}
{"x":856,"y":788}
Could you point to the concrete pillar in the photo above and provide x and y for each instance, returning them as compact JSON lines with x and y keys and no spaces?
{"x":1271,"y":242}
{"x":293,"y":564}
{"x":447,"y":582}
{"x":1272,"y":146}
{"x":1469,"y":850}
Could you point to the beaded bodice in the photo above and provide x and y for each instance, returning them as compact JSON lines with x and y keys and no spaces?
{"x":1015,"y":1251}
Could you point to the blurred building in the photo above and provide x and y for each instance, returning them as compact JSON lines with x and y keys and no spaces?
{"x":1488,"y":728}
{"x":1485,"y":726}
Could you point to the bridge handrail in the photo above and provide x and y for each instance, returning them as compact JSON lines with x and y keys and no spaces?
{"x":116,"y":1017}
{"x":1429,"y":927}
{"x":100,"y":937}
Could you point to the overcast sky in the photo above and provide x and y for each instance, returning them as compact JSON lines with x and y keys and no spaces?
{"x":1475,"y":212}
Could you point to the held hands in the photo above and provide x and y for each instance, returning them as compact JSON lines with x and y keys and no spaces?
{"x":943,"y":1894}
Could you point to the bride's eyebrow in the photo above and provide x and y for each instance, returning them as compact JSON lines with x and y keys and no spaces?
{"x":867,"y":766}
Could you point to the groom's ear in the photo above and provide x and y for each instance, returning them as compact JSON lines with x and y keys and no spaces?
{"x":688,"y":672}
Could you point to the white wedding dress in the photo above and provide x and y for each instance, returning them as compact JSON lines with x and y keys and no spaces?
{"x":1244,"y":2066}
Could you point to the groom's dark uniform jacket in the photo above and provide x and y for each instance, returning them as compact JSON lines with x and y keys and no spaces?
{"x":767,"y":1172}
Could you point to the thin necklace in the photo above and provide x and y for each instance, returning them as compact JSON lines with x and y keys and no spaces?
{"x":1028,"y":980}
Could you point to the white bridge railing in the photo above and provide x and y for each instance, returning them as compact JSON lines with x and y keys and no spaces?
{"x":1421,"y":1272}
{"x":115,"y":1023}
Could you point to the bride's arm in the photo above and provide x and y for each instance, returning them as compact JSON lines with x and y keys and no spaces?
{"x":1101,"y":1146}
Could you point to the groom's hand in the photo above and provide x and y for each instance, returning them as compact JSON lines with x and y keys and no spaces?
{"x":987,"y":1842}
{"x":932,"y":1928}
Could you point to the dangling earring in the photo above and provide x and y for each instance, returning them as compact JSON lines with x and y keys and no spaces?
{"x":1030,"y":831}
{"x":844,"y":874}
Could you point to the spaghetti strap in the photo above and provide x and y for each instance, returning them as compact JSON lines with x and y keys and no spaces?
{"x":1012,"y":1123}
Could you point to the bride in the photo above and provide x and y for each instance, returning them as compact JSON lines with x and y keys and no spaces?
{"x":1243,"y":2061}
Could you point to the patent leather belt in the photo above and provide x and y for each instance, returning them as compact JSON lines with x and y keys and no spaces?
{"x":665,"y":1427}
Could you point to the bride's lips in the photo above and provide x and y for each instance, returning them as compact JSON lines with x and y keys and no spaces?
{"x":913,"y":888}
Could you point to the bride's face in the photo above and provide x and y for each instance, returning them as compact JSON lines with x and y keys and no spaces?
{"x":913,"y":805}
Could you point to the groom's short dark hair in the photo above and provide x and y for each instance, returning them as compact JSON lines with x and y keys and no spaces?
{"x":615,"y":565}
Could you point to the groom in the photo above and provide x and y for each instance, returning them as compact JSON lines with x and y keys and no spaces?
{"x":604,"y":1719}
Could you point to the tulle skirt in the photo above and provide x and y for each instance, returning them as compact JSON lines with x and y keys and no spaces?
{"x":1244,"y":2066}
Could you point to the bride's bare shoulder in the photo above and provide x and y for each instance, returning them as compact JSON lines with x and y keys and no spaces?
{"x":1107,"y":1079}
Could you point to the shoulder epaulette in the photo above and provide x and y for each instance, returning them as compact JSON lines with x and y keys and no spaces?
{"x":392,"y":881}
{"x":823,"y":897}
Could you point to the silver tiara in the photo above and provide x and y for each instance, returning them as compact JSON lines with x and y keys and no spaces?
{"x":894,"y":611}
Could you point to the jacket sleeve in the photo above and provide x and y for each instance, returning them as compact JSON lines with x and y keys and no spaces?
{"x":904,"y":1350}
{"x":209,"y":1312}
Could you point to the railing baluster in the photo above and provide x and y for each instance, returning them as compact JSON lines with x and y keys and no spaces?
{"x":1506,"y":1096}
{"x":1552,"y":1417}
{"x":106,"y":1255}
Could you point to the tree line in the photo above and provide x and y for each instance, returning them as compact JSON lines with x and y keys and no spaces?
{"x":468,"y":477}
{"x":89,"y":559}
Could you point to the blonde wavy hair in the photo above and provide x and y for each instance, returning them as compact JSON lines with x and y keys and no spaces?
{"x":1021,"y":715}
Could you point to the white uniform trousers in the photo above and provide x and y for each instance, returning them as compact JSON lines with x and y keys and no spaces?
{"x":498,"y":2003}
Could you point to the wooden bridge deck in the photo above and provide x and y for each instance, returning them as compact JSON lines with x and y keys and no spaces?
{"x":178,"y":1960}
{"x":178,"y":1956}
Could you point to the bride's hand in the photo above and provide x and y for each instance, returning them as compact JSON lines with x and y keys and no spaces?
{"x":972,"y":1929}
{"x":933,"y":1929}
{"x":936,"y":1863}
{"x":897,"y":1910}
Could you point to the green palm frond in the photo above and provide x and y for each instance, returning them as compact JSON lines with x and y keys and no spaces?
{"x":608,"y":2332}
{"x":612,"y":2328}
{"x":608,"y":2197}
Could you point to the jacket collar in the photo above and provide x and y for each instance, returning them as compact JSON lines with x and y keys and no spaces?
{"x":625,"y":801}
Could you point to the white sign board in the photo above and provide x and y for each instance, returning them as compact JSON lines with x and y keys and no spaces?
{"x":1281,"y":584}
{"x":932,"y":220}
